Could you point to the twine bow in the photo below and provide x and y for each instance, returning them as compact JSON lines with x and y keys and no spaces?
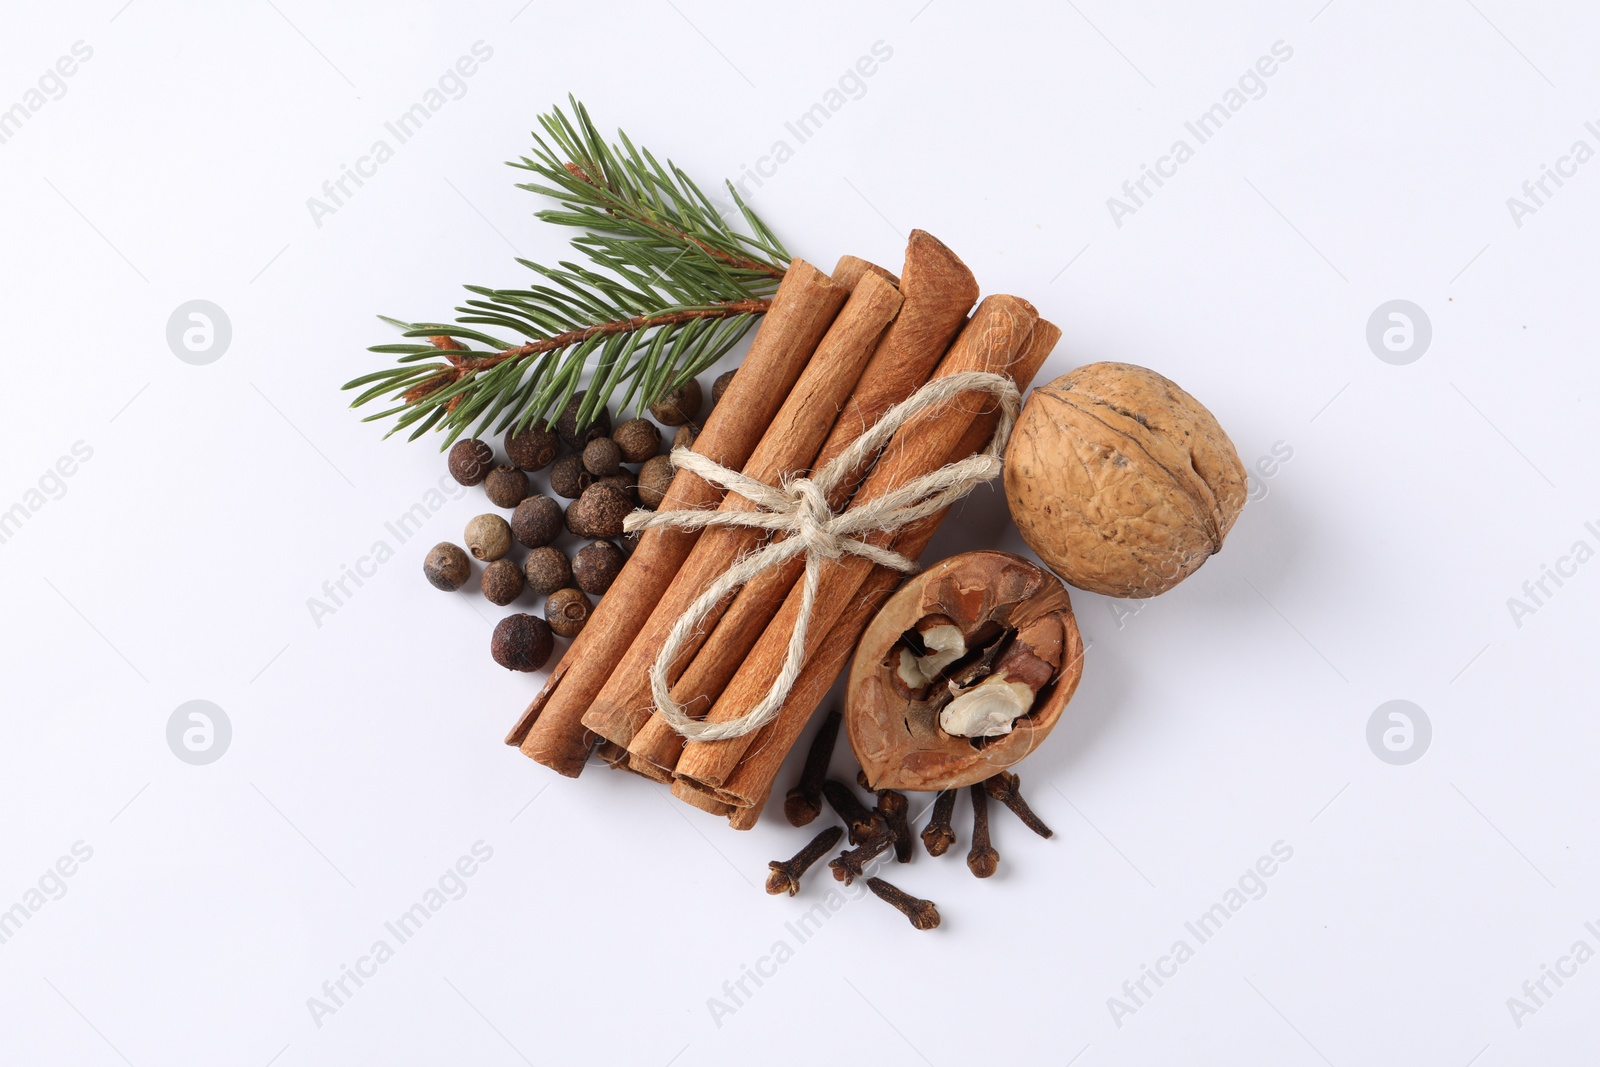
{"x":798,"y":508}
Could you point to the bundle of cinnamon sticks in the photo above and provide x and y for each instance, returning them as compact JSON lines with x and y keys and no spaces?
{"x":834,"y":353}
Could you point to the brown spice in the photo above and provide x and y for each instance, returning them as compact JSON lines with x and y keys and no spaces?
{"x":447,"y":567}
{"x":895,"y":809}
{"x":537,"y":521}
{"x":751,"y":782}
{"x":521,"y":643}
{"x":596,"y":566}
{"x":488,"y":537}
{"x":922,"y":913}
{"x":602,"y":457}
{"x":567,"y":424}
{"x":785,"y":876}
{"x":655,"y":481}
{"x":568,"y":478}
{"x":998,"y":331}
{"x":938,"y":291}
{"x":937,"y":836}
{"x":862,"y":822}
{"x":681,"y":405}
{"x":804,"y":802}
{"x":852,"y":864}
{"x":787,"y":448}
{"x":506,"y":486}
{"x":567,"y":611}
{"x":599,"y":512}
{"x":502,"y":582}
{"x":1007,"y":789}
{"x":637,"y":439}
{"x":470,"y":461}
{"x":550,"y":729}
{"x":547,"y":570}
{"x":532,"y":449}
{"x":982,"y":859}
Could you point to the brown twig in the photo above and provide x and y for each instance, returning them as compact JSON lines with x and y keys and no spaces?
{"x":462,"y":367}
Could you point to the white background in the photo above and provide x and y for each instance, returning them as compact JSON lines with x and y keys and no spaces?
{"x":1231,"y":714}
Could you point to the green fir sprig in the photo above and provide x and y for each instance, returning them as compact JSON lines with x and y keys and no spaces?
{"x":668,"y":287}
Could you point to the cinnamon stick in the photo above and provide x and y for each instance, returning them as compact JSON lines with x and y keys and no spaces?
{"x":750,"y":784}
{"x":551,"y":730}
{"x":848,"y":271}
{"x":938,"y":290}
{"x":788,"y":447}
{"x":706,"y":802}
{"x":998,"y":332}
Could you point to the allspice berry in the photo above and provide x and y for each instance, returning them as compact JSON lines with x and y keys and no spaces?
{"x":470,"y":461}
{"x":506,"y":486}
{"x":596,"y":566}
{"x":684,"y":438}
{"x":720,"y":386}
{"x":599,"y":511}
{"x":547,"y":570}
{"x":502,"y":582}
{"x":655,"y":478}
{"x":568,"y":478}
{"x":679,"y":406}
{"x":638,"y":439}
{"x":567,"y":424}
{"x":625,"y":480}
{"x":537,"y":521}
{"x":602,"y":457}
{"x":446,"y":567}
{"x":532,"y":449}
{"x":521,"y":643}
{"x":567,"y":610}
{"x":488,"y":537}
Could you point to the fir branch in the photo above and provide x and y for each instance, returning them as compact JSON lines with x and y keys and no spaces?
{"x":669,"y":287}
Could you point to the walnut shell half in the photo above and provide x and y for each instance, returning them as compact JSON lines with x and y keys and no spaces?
{"x":1123,"y":483}
{"x":1022,"y":645}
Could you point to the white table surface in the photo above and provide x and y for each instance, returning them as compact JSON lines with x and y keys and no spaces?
{"x":610,"y":924}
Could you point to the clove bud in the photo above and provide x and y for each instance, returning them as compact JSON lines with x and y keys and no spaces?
{"x":982,"y":859}
{"x":922,"y":913}
{"x":785,"y":876}
{"x":804,"y":801}
{"x":1006,"y":788}
{"x":937,"y":836}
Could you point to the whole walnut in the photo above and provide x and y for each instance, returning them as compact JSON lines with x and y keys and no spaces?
{"x":1123,"y":483}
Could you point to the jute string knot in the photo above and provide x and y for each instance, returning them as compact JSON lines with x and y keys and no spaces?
{"x":798,"y":510}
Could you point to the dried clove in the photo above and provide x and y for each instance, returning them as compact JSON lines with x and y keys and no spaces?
{"x":937,"y":835}
{"x":922,"y":913}
{"x":851,"y":864}
{"x":982,"y":860}
{"x":860,"y":819}
{"x":1006,"y":788}
{"x":804,"y":801}
{"x":895,"y":810}
{"x":785,"y":876}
